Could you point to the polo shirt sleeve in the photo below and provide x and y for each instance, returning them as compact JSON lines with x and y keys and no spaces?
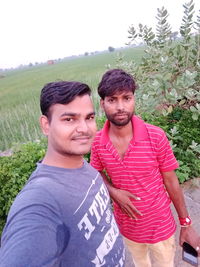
{"x":165,"y":155}
{"x":95,"y":159}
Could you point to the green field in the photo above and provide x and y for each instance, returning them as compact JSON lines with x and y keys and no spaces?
{"x":20,"y":89}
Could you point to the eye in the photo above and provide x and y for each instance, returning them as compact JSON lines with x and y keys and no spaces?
{"x":128,"y":98}
{"x":91,"y":117}
{"x":111,"y":100}
{"x":68,"y":119}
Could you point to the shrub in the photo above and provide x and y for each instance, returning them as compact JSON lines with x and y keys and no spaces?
{"x":14,"y":172}
{"x":168,"y":74}
{"x":181,"y":130}
{"x":183,"y":133}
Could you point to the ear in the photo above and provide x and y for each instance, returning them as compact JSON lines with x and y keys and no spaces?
{"x":102,"y":103}
{"x":44,"y":124}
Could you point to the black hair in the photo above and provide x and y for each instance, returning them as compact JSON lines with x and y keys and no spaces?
{"x":116,"y":80}
{"x":61,"y":92}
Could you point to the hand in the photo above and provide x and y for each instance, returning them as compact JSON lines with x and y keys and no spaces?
{"x":122,"y":198}
{"x":190,"y":236}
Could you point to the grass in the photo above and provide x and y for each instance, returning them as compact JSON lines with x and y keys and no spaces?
{"x":20,"y":90}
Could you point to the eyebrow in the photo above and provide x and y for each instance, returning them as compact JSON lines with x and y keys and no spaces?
{"x":72,"y":114}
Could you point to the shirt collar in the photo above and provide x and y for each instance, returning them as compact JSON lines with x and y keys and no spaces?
{"x":139,"y":130}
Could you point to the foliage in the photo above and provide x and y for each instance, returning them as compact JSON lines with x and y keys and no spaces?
{"x":169,"y":73}
{"x":181,"y":130}
{"x":20,"y":89}
{"x":168,"y":78}
{"x":183,"y":133}
{"x":16,"y":169}
{"x":100,"y":121}
{"x":14,"y":172}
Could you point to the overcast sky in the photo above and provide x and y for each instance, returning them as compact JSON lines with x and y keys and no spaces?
{"x":38,"y":30}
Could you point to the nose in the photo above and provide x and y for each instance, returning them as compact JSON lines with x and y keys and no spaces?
{"x":82,"y":127}
{"x":120,"y":105}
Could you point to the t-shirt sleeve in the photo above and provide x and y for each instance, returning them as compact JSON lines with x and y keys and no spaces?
{"x":34,"y":234}
{"x":95,"y":159}
{"x":165,"y":155}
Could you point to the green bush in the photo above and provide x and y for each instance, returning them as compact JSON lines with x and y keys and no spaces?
{"x":100,"y":122}
{"x":14,"y":172}
{"x":183,"y":133}
{"x":181,"y":130}
{"x":168,"y":74}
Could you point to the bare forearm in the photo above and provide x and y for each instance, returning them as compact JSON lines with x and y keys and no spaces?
{"x":175,"y":192}
{"x":187,"y":234}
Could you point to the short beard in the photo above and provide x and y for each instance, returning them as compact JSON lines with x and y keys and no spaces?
{"x":112,"y":119}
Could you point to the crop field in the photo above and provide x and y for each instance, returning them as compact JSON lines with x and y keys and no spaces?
{"x":20,"y":90}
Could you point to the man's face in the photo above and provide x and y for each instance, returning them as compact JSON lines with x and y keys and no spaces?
{"x":72,"y":127}
{"x":119,"y":108}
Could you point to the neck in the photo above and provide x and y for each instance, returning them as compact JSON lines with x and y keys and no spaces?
{"x":62,"y":160}
{"x":121,"y":131}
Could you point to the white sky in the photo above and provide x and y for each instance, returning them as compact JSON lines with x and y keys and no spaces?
{"x":38,"y":30}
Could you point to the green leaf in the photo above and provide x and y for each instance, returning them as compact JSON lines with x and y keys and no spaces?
{"x":195,"y":116}
{"x":170,"y":109}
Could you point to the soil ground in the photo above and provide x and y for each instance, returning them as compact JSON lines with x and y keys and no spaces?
{"x":191,"y":191}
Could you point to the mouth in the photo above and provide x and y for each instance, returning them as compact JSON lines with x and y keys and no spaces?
{"x":82,"y":139}
{"x":121,"y":115}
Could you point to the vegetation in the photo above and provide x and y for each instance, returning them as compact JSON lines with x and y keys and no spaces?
{"x":183,"y":133}
{"x":180,"y":128}
{"x":19,"y":113}
{"x":169,"y":74}
{"x":168,"y":77}
{"x":20,"y":89}
{"x":14,"y":172}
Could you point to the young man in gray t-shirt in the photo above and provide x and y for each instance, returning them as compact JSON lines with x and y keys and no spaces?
{"x":62,"y":217}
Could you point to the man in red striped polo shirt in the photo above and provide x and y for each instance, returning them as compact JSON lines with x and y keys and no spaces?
{"x":140,"y":176}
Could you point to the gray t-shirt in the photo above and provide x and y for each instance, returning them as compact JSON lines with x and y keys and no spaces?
{"x":62,"y":217}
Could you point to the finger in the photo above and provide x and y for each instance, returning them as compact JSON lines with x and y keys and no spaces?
{"x":135,"y":210}
{"x":198,"y":247}
{"x":129,"y":212}
{"x":134,"y":196}
{"x":181,"y":241}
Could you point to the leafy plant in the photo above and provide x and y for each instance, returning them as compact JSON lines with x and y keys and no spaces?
{"x":14,"y":172}
{"x":184,"y":137}
{"x":196,"y":111}
{"x":168,"y":79}
{"x":169,"y":74}
{"x":183,"y":172}
{"x":182,"y":132}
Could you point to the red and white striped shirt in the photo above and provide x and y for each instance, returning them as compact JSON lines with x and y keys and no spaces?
{"x":139,"y":172}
